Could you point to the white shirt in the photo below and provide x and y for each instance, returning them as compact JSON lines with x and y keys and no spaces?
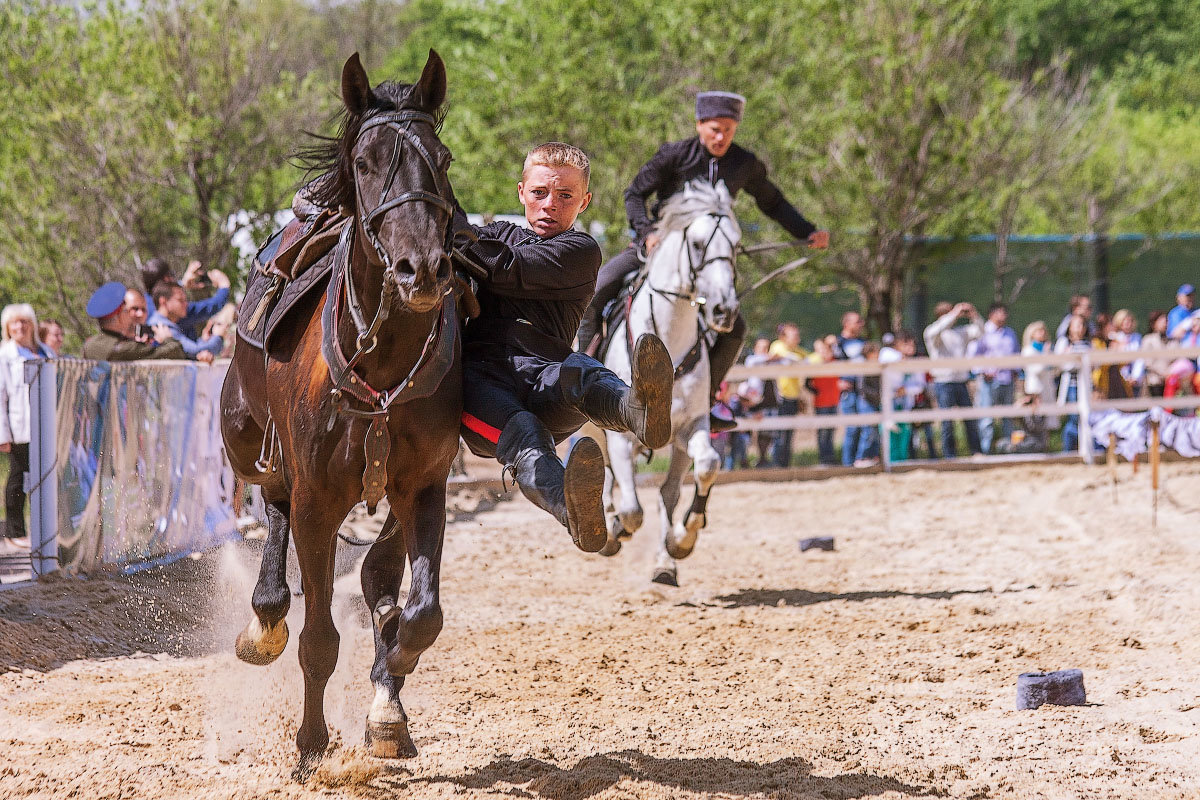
{"x":944,"y":340}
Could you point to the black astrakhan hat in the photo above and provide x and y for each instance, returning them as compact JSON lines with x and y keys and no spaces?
{"x":719,"y":104}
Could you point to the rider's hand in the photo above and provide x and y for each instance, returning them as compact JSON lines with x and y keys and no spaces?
{"x":162,"y":333}
{"x":5,"y":448}
{"x":651,"y":243}
{"x":204,"y":357}
{"x":818,"y":240}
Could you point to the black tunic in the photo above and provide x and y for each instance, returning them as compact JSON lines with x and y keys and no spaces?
{"x":546,"y":283}
{"x":678,"y":163}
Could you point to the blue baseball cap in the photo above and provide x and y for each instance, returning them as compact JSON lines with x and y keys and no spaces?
{"x":106,"y":300}
{"x":1187,"y":288}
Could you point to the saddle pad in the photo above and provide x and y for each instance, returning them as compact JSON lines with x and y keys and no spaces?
{"x":314,"y":278}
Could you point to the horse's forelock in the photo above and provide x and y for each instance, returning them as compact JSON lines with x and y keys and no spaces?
{"x":331,"y":159}
{"x":694,"y":201}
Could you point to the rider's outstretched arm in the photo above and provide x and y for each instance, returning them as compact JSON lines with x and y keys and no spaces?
{"x":772,"y":203}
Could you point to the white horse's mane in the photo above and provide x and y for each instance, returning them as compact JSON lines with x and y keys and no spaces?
{"x":696,"y":199}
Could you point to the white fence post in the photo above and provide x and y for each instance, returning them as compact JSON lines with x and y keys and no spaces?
{"x":886,"y":408}
{"x":42,"y":377}
{"x":1085,"y":407}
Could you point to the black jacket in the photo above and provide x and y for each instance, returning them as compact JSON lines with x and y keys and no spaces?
{"x":677,"y":163}
{"x":544,"y":282}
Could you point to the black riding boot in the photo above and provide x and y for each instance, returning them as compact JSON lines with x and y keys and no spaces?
{"x":643,"y":410}
{"x":572,"y":494}
{"x":721,"y":357}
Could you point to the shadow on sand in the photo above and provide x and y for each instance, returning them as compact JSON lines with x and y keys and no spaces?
{"x":803,"y":597}
{"x":789,"y":778}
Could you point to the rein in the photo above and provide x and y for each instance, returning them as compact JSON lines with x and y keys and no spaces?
{"x":346,"y":380}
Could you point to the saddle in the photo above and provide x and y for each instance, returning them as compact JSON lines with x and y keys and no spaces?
{"x":615,"y":312}
{"x":292,"y":263}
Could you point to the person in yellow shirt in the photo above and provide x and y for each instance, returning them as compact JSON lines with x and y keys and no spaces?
{"x":786,"y":350}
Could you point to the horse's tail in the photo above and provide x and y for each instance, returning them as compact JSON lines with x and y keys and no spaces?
{"x":239,"y":495}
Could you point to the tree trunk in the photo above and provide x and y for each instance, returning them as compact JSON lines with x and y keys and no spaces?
{"x":1098,"y":229}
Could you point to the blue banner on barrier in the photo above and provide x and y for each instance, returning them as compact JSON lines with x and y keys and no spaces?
{"x":141,"y":468}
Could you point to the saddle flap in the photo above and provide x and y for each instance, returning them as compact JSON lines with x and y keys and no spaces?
{"x":304,"y":242}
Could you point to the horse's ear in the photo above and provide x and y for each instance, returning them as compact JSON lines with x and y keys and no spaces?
{"x":356,"y":87}
{"x":430,"y":90}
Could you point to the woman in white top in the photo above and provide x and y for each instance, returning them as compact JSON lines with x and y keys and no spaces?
{"x":18,"y":325}
{"x":1075,"y":341}
{"x":1039,"y":386}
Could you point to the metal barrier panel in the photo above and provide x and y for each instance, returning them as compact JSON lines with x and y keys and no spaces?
{"x":139,"y":464}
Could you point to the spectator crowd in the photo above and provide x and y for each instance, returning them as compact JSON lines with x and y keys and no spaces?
{"x":167,"y":318}
{"x":958,"y":331}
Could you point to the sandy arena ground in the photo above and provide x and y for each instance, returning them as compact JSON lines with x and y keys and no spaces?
{"x":886,"y":669}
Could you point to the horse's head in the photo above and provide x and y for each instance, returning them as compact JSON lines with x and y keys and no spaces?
{"x":698,"y":251}
{"x":394,"y":167}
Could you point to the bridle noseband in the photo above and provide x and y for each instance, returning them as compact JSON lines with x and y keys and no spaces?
{"x":400,"y":122}
{"x":366,"y":341}
{"x":695,"y":268}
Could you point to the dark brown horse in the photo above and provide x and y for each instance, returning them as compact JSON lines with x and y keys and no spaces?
{"x":358,"y":396}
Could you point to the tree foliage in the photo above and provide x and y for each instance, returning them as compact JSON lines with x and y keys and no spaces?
{"x":133,"y":133}
{"x":132,"y":130}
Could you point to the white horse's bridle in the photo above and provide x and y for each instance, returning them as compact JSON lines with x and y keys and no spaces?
{"x":691,"y":294}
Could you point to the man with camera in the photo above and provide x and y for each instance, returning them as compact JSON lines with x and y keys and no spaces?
{"x":946,"y":338}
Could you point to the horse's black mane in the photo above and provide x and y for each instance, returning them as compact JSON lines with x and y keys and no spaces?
{"x":330,"y":158}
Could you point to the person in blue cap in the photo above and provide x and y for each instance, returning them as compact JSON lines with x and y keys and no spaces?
{"x":115,"y":340}
{"x":710,"y":156}
{"x":1178,"y":318}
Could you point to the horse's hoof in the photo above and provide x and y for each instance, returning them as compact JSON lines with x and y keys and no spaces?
{"x":611,"y":547}
{"x":667,"y":576}
{"x":306,"y":766}
{"x":390,"y":740}
{"x":678,"y":549}
{"x":260,"y":646}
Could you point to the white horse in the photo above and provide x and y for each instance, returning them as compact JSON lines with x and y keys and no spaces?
{"x":687,"y":290}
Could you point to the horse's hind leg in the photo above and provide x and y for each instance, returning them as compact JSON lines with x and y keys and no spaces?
{"x":665,"y":570}
{"x":314,"y":525}
{"x":382,"y":574}
{"x":266,"y":635}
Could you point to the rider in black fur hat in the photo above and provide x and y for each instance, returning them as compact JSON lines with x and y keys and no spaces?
{"x":710,"y":156}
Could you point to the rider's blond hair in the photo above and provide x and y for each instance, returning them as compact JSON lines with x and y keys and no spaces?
{"x":557,"y":154}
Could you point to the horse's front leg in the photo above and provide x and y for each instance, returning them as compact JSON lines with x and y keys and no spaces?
{"x":382,"y":574}
{"x":705,"y":463}
{"x":265,"y":637}
{"x":420,"y":622}
{"x":665,"y":569}
{"x":315,"y":520}
{"x":629,"y":515}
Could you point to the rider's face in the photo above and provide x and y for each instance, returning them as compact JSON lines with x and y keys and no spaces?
{"x":553,"y":197}
{"x":716,"y":134}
